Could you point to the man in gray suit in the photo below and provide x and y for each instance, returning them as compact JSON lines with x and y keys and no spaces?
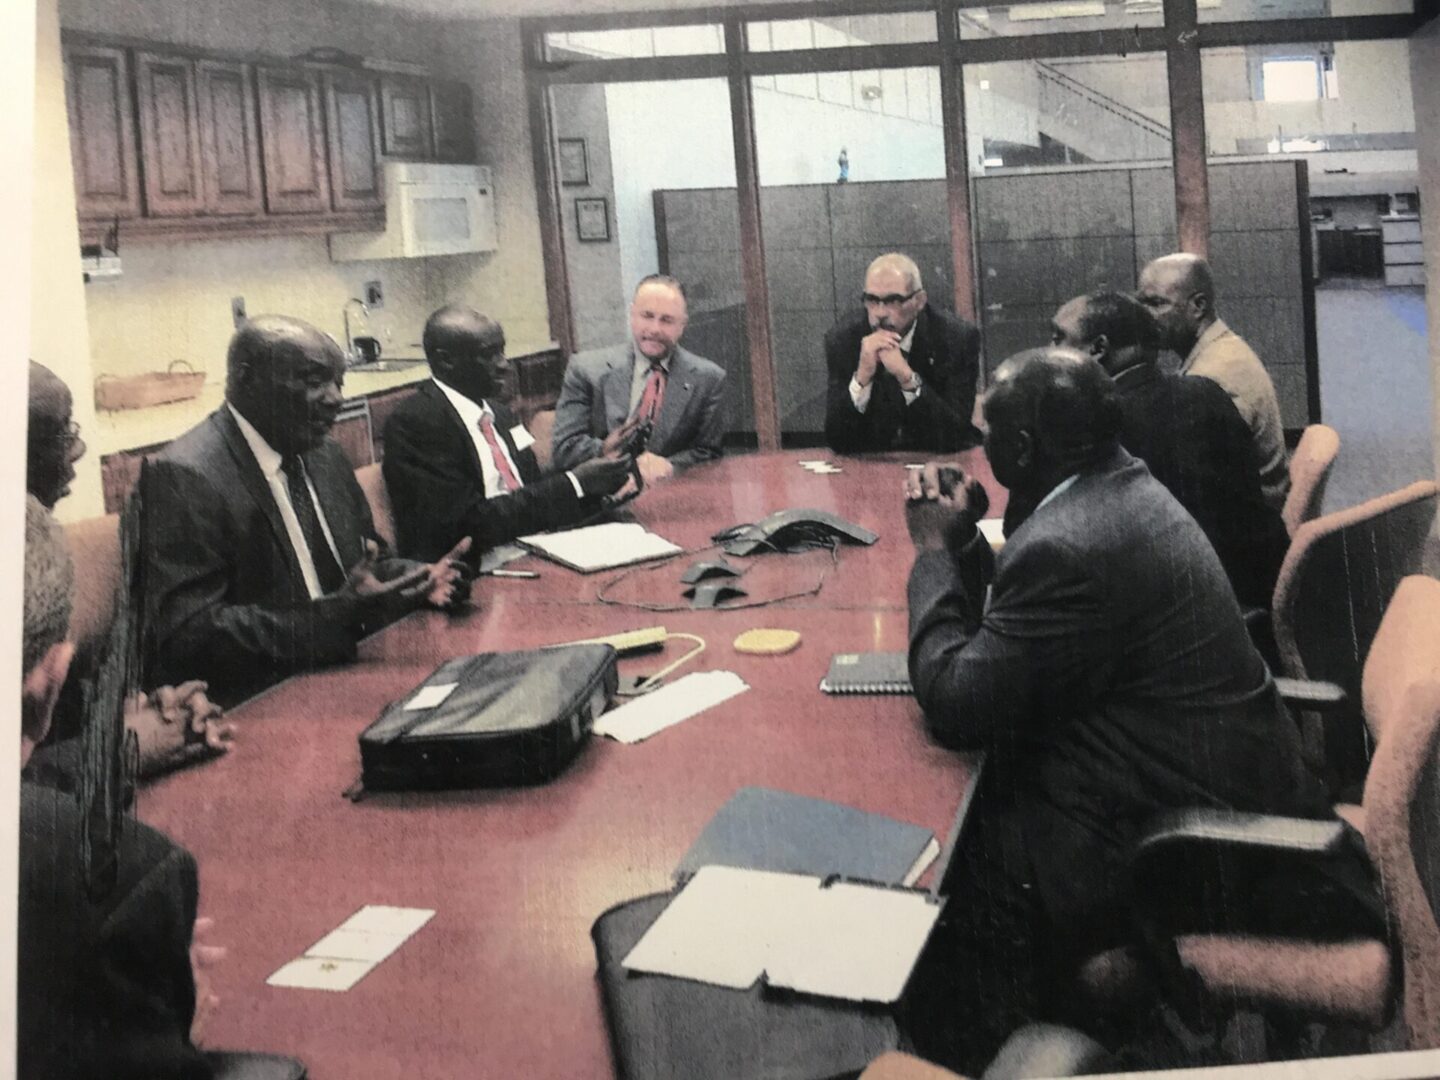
{"x":1110,"y":677}
{"x":608,"y":393}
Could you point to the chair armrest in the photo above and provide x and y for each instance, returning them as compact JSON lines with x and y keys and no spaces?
{"x":1238,"y":829}
{"x":1312,"y":694}
{"x":1203,"y":870}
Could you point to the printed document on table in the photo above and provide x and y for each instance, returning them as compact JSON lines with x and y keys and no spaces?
{"x":642,"y":717}
{"x":600,"y":547}
{"x":729,"y":926}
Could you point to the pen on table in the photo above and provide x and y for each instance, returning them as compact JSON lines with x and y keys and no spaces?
{"x":510,"y":573}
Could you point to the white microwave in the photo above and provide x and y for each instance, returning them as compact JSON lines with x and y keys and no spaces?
{"x":429,"y":210}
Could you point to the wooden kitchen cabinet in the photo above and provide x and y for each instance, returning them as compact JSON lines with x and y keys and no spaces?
{"x":229,"y":138}
{"x":405,"y":113}
{"x":169,"y":134}
{"x":292,"y":140}
{"x":353,"y":123}
{"x":452,"y":122}
{"x":102,"y":133}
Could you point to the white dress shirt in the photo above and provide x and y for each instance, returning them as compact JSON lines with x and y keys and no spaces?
{"x":470,"y":414}
{"x":860,"y":395}
{"x":269,"y":460}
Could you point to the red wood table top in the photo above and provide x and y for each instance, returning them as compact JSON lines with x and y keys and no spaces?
{"x":502,"y":981}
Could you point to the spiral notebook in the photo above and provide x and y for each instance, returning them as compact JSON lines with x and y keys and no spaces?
{"x":868,"y":673}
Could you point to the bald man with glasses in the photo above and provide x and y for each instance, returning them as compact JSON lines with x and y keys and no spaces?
{"x":901,"y":372}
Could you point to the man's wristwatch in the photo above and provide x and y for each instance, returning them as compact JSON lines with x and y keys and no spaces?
{"x":913,"y":385}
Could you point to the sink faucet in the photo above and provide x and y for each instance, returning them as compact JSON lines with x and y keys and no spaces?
{"x":349,"y":338}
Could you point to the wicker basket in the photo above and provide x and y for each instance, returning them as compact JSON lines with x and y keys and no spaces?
{"x":113,"y":392}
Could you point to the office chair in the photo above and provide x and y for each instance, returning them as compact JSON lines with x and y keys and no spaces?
{"x":372,"y":483}
{"x":1251,"y":910}
{"x":1337,"y":578}
{"x":1310,"y":467}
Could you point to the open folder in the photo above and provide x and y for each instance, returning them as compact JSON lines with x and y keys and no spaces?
{"x":601,"y":547}
{"x":731,"y":926}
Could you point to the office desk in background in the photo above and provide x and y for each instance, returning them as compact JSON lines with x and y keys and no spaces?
{"x":501,"y":982}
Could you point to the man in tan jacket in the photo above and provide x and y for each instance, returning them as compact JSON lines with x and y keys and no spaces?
{"x":1180,"y":293}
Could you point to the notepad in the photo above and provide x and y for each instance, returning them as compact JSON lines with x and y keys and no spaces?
{"x":650,"y":713}
{"x":764,"y":829}
{"x":601,"y":547}
{"x":868,"y":673}
{"x":730,"y":926}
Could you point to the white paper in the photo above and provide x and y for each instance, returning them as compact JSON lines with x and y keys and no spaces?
{"x":599,"y":547}
{"x":342,"y":944}
{"x":319,"y":973}
{"x":429,"y":696}
{"x":345,"y":955}
{"x":383,"y":919}
{"x":644,"y":716}
{"x":729,"y":926}
{"x":521,"y":437}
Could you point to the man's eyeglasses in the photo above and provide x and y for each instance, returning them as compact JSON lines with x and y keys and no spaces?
{"x":893,"y":300}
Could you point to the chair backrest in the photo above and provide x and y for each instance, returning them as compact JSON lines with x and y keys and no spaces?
{"x":372,"y":483}
{"x":542,"y":427}
{"x":1402,"y":796}
{"x":1338,"y":578}
{"x":1310,"y":467}
{"x":95,"y":547}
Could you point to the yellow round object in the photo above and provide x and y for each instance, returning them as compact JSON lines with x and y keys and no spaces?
{"x":767,"y":642}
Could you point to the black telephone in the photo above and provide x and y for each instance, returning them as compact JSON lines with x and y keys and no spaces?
{"x":792,"y":530}
{"x":632,"y":447}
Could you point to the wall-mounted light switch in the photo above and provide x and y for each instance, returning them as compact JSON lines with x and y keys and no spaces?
{"x":374,"y":295}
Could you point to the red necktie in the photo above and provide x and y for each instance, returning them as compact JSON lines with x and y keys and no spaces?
{"x":653,"y":394}
{"x":508,"y":481}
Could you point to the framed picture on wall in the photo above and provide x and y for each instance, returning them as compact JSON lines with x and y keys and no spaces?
{"x":574,"y":162}
{"x":592,"y":219}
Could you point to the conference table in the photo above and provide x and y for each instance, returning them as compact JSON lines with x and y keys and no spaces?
{"x":501,"y":982}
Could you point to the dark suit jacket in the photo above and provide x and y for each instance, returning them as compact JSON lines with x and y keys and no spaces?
{"x":437,"y":490}
{"x":945,"y":351}
{"x":105,"y":987}
{"x":1195,"y":442}
{"x":224,"y":599}
{"x":595,"y":400}
{"x":1111,"y":677}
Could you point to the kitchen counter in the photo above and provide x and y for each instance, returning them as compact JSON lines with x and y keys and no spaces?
{"x":131,"y":429}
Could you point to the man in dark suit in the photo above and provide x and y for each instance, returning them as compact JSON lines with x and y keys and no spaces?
{"x":649,"y":379}
{"x":173,"y":725}
{"x":457,"y":461}
{"x":106,"y":984}
{"x":1189,"y":433}
{"x":248,"y":521}
{"x":1109,"y":678}
{"x":901,"y":373}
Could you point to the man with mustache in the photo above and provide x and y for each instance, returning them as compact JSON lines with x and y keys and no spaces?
{"x":901,"y":373}
{"x":249,"y":521}
{"x":648,"y":379}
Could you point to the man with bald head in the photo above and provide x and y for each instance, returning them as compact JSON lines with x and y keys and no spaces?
{"x":458,"y":463}
{"x":649,"y":381}
{"x":900,"y":372}
{"x":1190,"y":435}
{"x":1110,"y":677}
{"x":1179,"y":290}
{"x":258,"y":553}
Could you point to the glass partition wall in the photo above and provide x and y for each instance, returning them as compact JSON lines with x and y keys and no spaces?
{"x":777,"y":148}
